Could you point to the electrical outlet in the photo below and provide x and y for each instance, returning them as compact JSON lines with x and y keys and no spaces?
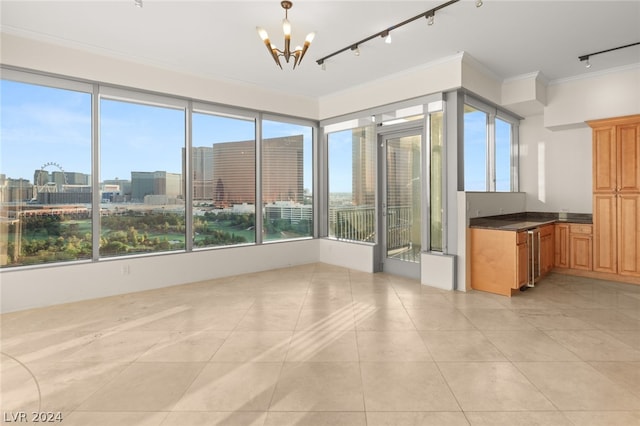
{"x":125,"y":270}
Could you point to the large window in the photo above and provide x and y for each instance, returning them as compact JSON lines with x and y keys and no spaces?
{"x":352,"y":182}
{"x":490,"y":148}
{"x":287,"y":180}
{"x":142,"y":206}
{"x":45,"y":170}
{"x":223,"y":180}
{"x":503,"y":155}
{"x":475,"y":149}
{"x":90,"y":171}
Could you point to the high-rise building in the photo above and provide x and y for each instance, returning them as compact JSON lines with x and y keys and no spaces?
{"x":155,"y":183}
{"x":233,"y":173}
{"x":201,"y":172}
{"x":364,"y":166}
{"x":282,"y":171}
{"x":15,"y":190}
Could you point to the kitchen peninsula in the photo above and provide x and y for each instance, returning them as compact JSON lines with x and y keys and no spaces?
{"x":512,"y":252}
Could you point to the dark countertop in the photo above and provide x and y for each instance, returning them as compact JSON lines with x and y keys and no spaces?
{"x":527,"y":220}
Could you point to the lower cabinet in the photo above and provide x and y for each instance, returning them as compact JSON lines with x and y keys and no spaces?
{"x":580,"y":247}
{"x":561,"y":246}
{"x":498,"y":260}
{"x":501,"y":261}
{"x":574,"y":246}
{"x":547,"y":254}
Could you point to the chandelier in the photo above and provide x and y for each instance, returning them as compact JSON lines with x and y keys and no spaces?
{"x":298,"y":53}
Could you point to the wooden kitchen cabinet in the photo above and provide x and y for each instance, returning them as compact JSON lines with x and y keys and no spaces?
{"x":629,"y":234}
{"x":574,"y":246}
{"x":605,"y":227}
{"x":498,"y":260}
{"x":561,"y":245}
{"x":580,"y":247}
{"x":547,"y":254}
{"x":616,"y":192}
{"x":522,"y":259}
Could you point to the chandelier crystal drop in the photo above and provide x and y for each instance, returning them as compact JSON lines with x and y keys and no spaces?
{"x":296,"y":54}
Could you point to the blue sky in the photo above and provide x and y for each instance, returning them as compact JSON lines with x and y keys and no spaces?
{"x":340,"y":165}
{"x":41,"y":125}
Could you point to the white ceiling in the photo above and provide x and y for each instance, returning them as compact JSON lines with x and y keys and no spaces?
{"x":218,"y":39}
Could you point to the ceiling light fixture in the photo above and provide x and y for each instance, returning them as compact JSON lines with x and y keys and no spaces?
{"x":431,"y":18}
{"x":586,"y":57}
{"x":138,"y":3}
{"x":298,"y":53}
{"x":386,"y":33}
{"x":356,"y":50}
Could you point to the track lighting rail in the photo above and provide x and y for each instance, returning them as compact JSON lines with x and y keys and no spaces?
{"x":586,"y":57}
{"x":384,"y":33}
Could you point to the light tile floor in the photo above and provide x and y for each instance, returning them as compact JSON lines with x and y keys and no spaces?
{"x":323,"y":345}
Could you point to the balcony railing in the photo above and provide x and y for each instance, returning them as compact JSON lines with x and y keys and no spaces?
{"x":359,"y":224}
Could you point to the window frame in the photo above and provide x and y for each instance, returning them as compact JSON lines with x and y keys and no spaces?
{"x":99,"y":91}
{"x":297,"y":121}
{"x":494,"y":112}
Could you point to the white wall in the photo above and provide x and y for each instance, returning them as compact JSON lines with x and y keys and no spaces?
{"x":612,"y":94}
{"x":50,"y":285}
{"x":555,"y":167}
{"x":428,"y":79}
{"x":30,"y":54}
{"x":358,"y":256}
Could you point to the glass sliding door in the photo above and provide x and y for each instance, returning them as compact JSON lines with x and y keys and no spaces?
{"x":402,"y":203}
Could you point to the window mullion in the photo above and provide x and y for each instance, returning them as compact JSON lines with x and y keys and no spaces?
{"x":95,"y":173}
{"x":259,"y":207}
{"x":187,"y":188}
{"x":491,"y":152}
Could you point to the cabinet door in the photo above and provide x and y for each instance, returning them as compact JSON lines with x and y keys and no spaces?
{"x":628,"y":153}
{"x":522,"y":264}
{"x":604,"y":159}
{"x":561,"y":246}
{"x":629,"y":234}
{"x":581,"y":251}
{"x":605,"y":233}
{"x":546,"y":249}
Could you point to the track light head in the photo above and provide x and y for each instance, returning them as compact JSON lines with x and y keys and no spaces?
{"x":386,"y":35}
{"x":430,"y":18}
{"x":585,"y":59}
{"x":138,"y":3}
{"x":355,"y":49}
{"x":479,"y":3}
